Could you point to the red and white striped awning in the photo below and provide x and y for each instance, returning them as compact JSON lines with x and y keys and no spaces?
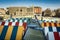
{"x":51,"y":29}
{"x":53,"y":36}
{"x":13,"y":24}
{"x":12,"y":30}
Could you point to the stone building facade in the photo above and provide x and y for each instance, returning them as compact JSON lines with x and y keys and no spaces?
{"x":38,"y":12}
{"x":20,"y":12}
{"x":2,"y":13}
{"x":23,"y":11}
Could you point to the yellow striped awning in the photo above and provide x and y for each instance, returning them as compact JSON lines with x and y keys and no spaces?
{"x":11,"y":32}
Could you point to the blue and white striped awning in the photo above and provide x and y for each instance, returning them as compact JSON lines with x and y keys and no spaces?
{"x":51,"y":29}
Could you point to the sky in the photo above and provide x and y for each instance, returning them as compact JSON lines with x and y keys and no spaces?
{"x":52,"y":4}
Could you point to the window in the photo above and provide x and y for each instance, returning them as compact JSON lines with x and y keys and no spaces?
{"x":14,"y":13}
{"x":21,"y":10}
{"x":29,"y":10}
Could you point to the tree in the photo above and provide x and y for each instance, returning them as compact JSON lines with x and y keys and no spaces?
{"x":57,"y":11}
{"x":47,"y":12}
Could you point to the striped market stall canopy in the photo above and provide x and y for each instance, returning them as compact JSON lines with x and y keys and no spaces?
{"x":18,"y":20}
{"x":13,"y":29}
{"x":52,"y":33}
{"x":53,"y":36}
{"x":11,"y":32}
{"x":15,"y":22}
{"x":50,"y":24}
{"x":49,"y":20}
{"x":51,"y":29}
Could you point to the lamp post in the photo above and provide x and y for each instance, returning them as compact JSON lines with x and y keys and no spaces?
{"x":10,"y":16}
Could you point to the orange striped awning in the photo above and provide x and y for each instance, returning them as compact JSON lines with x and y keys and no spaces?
{"x":50,"y":24}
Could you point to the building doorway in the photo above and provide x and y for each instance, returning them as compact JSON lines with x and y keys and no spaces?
{"x":1,"y":18}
